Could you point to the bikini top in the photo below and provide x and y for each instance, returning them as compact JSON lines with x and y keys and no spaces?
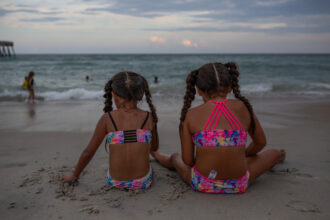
{"x":128,"y":136}
{"x":221,"y":137}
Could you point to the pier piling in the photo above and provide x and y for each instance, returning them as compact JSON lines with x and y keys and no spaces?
{"x":7,"y":48}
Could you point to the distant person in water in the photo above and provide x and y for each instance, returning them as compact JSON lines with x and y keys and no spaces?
{"x":87,"y":78}
{"x":156,"y":79}
{"x":30,"y":83}
{"x":25,"y":83}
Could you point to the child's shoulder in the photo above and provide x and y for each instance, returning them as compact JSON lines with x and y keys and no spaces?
{"x":236,"y":103}
{"x":104,"y":116}
{"x":195,"y":111}
{"x":107,"y":115}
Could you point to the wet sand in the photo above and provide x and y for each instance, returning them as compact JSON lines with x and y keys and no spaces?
{"x":41,"y":143}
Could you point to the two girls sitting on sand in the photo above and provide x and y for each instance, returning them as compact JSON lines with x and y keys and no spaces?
{"x":218,"y":128}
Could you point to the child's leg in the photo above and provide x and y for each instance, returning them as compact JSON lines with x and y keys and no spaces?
{"x":262,"y":162}
{"x":32,"y":95}
{"x":163,"y":159}
{"x":183,"y":169}
{"x":174,"y":162}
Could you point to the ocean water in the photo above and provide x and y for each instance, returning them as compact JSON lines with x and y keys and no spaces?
{"x":62,"y":77}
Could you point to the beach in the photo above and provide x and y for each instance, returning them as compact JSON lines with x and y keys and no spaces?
{"x":42,"y":142}
{"x":61,"y":60}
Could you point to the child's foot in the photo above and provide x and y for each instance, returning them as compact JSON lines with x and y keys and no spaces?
{"x":163,"y":159}
{"x":282,"y":156}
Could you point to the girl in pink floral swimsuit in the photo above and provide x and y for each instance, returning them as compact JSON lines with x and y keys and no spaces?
{"x":214,"y":157}
{"x":130,"y":134}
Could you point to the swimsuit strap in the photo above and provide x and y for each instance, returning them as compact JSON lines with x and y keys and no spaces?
{"x":113,"y":122}
{"x":145,"y":120}
{"x":219,"y":109}
{"x":233,"y":117}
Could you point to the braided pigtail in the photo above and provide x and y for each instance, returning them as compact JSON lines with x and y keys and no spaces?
{"x":149,"y":101}
{"x":189,"y":96}
{"x":233,"y":70}
{"x":151,"y":106}
{"x":108,"y":97}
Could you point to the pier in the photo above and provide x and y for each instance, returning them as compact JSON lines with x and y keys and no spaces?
{"x":7,"y":49}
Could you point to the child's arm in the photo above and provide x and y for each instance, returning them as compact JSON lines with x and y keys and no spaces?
{"x":88,"y":153}
{"x":258,"y":139}
{"x":187,"y":145}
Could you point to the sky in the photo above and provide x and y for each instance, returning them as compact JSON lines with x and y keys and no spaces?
{"x":166,"y":26}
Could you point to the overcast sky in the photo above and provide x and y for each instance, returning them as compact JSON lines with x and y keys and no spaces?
{"x":166,"y":26}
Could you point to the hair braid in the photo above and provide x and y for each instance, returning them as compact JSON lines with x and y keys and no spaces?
{"x":108,"y":97}
{"x":189,"y":96}
{"x":233,"y":70}
{"x":149,"y":101}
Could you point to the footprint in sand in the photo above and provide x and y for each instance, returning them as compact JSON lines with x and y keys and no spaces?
{"x":32,"y":180}
{"x":302,"y":206}
{"x":293,"y":172}
{"x":39,"y":190}
{"x":101,"y":191}
{"x":177,"y":192}
{"x":135,"y":192}
{"x":114,"y":202}
{"x":90,"y":210}
{"x":12,"y":205}
{"x":152,"y":211}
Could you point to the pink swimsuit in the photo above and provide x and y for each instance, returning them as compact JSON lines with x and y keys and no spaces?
{"x":219,"y":137}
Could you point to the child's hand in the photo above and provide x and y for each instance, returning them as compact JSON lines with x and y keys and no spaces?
{"x":68,"y":179}
{"x":152,"y":153}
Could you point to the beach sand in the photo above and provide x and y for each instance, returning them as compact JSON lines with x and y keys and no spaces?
{"x":40,"y":143}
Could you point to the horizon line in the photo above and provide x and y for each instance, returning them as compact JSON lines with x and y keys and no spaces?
{"x":184,"y":53}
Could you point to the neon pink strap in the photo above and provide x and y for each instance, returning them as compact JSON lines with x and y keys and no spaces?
{"x":223,"y":108}
{"x":228,"y":119}
{"x":235,"y":120}
{"x":218,"y":106}
{"x":208,"y":120}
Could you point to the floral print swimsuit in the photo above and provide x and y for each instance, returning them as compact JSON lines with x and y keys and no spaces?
{"x":216,"y":137}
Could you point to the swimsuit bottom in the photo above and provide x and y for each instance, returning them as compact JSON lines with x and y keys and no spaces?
{"x":140,"y":183}
{"x":203,"y":184}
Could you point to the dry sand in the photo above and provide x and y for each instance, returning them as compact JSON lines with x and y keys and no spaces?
{"x":41,"y":143}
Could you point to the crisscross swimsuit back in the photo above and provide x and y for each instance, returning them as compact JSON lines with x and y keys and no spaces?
{"x":221,"y":137}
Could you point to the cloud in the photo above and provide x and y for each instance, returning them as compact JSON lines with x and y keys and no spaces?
{"x":4,"y":12}
{"x":269,"y":3}
{"x":235,"y":8}
{"x":188,"y":43}
{"x":44,"y":19}
{"x":200,"y":15}
{"x":156,"y":39}
{"x":270,"y":25}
